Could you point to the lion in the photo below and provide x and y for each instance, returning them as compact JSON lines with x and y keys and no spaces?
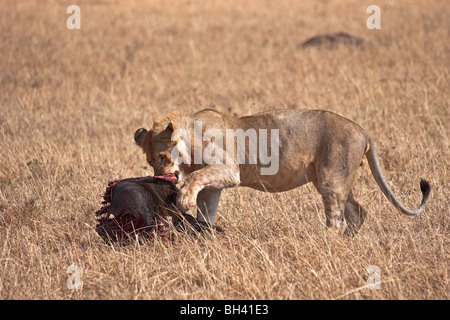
{"x":306,"y":146}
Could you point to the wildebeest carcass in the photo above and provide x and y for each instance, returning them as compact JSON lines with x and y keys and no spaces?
{"x":143,"y":207}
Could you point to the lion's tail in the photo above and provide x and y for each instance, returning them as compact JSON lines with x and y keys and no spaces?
{"x":374,"y":165}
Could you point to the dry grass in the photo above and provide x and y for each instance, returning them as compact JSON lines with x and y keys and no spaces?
{"x":70,"y":102}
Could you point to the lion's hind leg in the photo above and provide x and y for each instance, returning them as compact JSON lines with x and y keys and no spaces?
{"x":334,"y":183}
{"x":334,"y":204}
{"x":333,"y":197}
{"x":355,"y":215}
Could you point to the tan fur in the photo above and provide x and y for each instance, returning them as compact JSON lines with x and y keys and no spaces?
{"x":315,"y":146}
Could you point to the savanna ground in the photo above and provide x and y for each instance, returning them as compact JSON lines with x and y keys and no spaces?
{"x":70,"y":101}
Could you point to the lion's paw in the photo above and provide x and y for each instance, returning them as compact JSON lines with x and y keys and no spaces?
{"x":186,"y":201}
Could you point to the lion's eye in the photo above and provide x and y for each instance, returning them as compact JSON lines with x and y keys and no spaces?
{"x":161,"y":158}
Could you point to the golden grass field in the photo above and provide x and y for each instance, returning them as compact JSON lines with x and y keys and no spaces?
{"x":71,"y":100}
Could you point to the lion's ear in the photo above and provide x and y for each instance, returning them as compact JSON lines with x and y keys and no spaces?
{"x":171,"y":127}
{"x":139,"y":136}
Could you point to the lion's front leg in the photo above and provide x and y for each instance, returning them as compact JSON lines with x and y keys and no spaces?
{"x":213,"y":176}
{"x":207,"y":204}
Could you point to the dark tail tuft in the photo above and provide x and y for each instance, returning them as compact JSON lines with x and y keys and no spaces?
{"x":425,"y":188}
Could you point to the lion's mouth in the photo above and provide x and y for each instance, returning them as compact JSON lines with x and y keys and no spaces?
{"x":172,"y":177}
